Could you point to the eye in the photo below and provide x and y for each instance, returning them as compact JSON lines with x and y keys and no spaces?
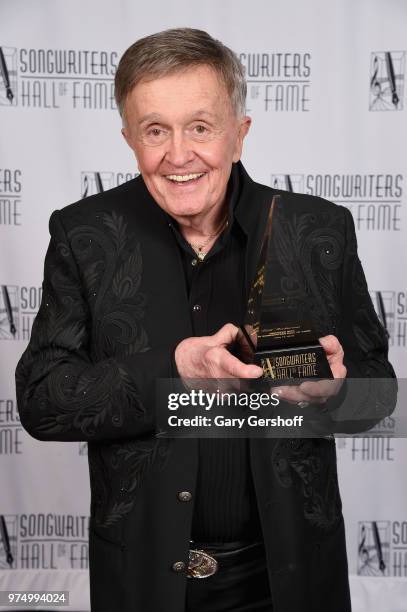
{"x":200,"y":129}
{"x":154,"y":131}
{"x":154,"y":135}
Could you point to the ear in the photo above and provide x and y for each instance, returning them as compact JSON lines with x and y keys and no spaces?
{"x":126,"y":136}
{"x":244,"y":127}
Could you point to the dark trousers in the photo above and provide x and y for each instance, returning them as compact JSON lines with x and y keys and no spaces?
{"x":240,"y":584}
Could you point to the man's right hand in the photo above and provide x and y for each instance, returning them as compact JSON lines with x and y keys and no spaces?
{"x":208,"y":357}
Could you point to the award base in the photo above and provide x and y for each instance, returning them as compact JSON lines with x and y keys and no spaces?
{"x":293,"y":363}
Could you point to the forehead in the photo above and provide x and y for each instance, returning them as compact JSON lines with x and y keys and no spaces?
{"x":194,"y":87}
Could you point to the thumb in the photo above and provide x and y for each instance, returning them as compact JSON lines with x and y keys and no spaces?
{"x":330,"y":344}
{"x":227,"y":334}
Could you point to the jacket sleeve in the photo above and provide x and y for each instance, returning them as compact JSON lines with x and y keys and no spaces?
{"x":370,"y":392}
{"x":61,"y":394}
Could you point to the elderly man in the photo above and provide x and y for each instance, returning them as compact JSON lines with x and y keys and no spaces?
{"x":150,"y":280}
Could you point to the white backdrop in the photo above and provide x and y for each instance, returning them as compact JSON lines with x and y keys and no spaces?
{"x":328,"y":100}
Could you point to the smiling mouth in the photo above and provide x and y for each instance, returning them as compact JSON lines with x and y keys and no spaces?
{"x":179,"y":179}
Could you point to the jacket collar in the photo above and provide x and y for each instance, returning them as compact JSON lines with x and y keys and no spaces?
{"x":251,"y":213}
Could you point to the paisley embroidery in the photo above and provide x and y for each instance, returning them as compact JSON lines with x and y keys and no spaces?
{"x":111,"y":266}
{"x":310,"y":467}
{"x":127,"y":465}
{"x":74,"y":377}
{"x":84,"y":401}
{"x":73,"y":373}
{"x":310,"y":249}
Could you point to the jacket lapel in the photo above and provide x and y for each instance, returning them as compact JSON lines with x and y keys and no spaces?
{"x":251,"y":213}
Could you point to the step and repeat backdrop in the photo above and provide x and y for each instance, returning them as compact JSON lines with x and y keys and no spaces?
{"x":327,"y":94}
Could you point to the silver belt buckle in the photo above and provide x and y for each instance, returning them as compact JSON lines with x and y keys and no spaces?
{"x":201,"y":565}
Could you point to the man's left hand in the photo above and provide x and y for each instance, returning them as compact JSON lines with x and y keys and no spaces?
{"x":320,"y":391}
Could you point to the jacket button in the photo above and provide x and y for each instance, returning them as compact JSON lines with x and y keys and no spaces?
{"x":184,"y":496}
{"x":178,"y":566}
{"x":196,"y":308}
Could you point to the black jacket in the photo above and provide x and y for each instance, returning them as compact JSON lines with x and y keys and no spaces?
{"x":114,"y":307}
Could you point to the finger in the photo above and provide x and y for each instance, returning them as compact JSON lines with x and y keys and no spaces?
{"x":293,"y":395}
{"x":236,"y":368}
{"x":330,"y":344}
{"x":227,"y":365}
{"x":338,"y":370}
{"x":321,"y":388}
{"x":332,"y":347}
{"x":225,"y":335}
{"x":334,"y":353}
{"x":312,"y":392}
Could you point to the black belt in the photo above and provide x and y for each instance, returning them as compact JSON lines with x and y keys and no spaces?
{"x":204,"y":558}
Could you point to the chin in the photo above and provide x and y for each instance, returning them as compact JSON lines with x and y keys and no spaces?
{"x":180,"y":208}
{"x":185,"y":211}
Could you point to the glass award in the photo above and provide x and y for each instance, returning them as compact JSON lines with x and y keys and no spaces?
{"x":277,"y":333}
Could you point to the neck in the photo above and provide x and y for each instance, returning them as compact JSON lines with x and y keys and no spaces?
{"x":198,"y":228}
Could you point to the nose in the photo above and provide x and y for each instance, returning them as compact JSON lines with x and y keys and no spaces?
{"x":179,"y":151}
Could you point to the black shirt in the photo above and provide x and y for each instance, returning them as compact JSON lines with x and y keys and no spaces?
{"x":225,"y":508}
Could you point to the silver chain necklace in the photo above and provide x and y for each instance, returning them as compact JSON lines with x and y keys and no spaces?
{"x":198,"y":247}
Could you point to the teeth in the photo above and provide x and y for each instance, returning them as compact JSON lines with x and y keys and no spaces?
{"x":182,"y":178}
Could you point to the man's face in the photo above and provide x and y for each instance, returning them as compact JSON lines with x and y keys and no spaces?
{"x":185,"y":136}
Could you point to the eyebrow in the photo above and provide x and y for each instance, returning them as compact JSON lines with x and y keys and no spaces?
{"x":149,"y":117}
{"x":155,"y":117}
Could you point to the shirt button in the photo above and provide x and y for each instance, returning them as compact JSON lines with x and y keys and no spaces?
{"x":194,"y":262}
{"x":184,"y":496}
{"x":178,"y":566}
{"x":196,"y":308}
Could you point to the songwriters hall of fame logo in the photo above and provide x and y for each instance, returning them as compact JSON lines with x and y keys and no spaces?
{"x":279,"y":82}
{"x":387,"y":74}
{"x":97,"y":182}
{"x":378,"y":446}
{"x":288,"y":182}
{"x":391,"y":308}
{"x":8,"y":76}
{"x":11,"y":196}
{"x":8,"y":541}
{"x":374,"y":548}
{"x":55,"y":78}
{"x":18,"y":308}
{"x":375,"y":200}
{"x":382,"y":548}
{"x":44,"y":541}
{"x":11,"y":432}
